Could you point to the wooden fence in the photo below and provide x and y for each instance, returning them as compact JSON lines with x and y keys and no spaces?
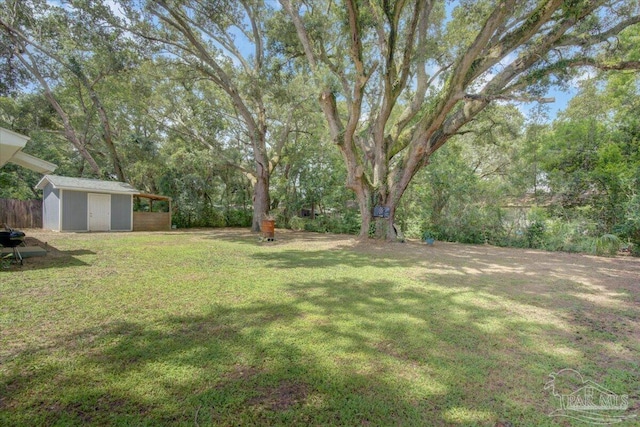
{"x":21,"y":213}
{"x":151,"y":221}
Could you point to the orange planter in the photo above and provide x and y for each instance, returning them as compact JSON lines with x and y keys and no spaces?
{"x":268,"y":227}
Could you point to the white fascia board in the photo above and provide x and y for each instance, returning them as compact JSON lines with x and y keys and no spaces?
{"x":33,"y":163}
{"x":10,"y":143}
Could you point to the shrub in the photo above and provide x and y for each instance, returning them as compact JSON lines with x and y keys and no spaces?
{"x":607,"y":244}
{"x":296,"y":223}
{"x":189,"y":216}
{"x":414,"y":228}
{"x":212,"y":218}
{"x":372,"y":230}
{"x":630,"y":228}
{"x":429,"y":233}
{"x":535,"y":234}
{"x":350,"y":223}
{"x":344,"y":224}
{"x":239,"y":218}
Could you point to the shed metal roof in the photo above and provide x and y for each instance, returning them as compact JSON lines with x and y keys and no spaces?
{"x":86,"y":184}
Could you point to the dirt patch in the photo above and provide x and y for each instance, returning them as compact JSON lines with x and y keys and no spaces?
{"x":388,"y":348}
{"x":88,"y":412}
{"x":281,"y":397}
{"x":32,"y":241}
{"x":241,"y":373}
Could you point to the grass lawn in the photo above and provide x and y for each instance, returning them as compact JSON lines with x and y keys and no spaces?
{"x":212,"y":327}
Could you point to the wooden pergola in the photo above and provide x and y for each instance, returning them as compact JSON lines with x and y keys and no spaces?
{"x":152,"y":221}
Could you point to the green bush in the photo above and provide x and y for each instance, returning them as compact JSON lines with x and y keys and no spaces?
{"x":185,"y":218}
{"x":568,"y":236}
{"x":343,"y":224}
{"x":630,"y":228}
{"x":350,"y":223}
{"x":560,"y":237}
{"x":430,"y":232}
{"x":181,"y":218}
{"x":371,"y":233}
{"x":208,"y":216}
{"x":296,"y":223}
{"x":515,"y":240}
{"x":317,"y":225}
{"x":473,"y":224}
{"x":607,"y":244}
{"x":535,"y":234}
{"x":212,"y":217}
{"x":414,"y":228}
{"x":238,"y":218}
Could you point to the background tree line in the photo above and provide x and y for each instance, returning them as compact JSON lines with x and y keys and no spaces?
{"x":239,"y":109}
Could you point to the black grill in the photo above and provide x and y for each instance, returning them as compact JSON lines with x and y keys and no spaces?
{"x":12,"y":239}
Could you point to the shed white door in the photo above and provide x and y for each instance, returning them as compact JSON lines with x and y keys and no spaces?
{"x":99,"y":212}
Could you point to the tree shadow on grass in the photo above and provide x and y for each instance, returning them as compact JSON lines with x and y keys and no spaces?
{"x":343,"y":352}
{"x":469,"y":338}
{"x":295,"y":258}
{"x":64,"y":259}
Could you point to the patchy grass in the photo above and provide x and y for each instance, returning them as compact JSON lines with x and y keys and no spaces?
{"x":211,"y":327}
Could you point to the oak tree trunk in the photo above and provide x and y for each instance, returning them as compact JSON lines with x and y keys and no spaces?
{"x":261,"y":201}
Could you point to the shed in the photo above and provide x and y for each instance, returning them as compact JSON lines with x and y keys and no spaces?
{"x":81,"y":204}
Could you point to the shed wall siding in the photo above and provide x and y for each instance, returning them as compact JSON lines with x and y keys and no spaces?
{"x":74,"y":211}
{"x":121,"y":207}
{"x":51,"y":208}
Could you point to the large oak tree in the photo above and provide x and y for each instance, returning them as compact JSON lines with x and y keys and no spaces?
{"x":225,"y":42}
{"x":397,"y":79}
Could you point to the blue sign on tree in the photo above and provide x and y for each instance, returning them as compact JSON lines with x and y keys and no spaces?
{"x":381,"y":211}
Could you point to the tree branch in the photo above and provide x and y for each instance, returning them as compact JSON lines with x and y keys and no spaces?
{"x":588,"y":40}
{"x":502,"y":97}
{"x":219,"y":76}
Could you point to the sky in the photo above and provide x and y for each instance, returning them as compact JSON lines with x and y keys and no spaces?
{"x":561,"y":100}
